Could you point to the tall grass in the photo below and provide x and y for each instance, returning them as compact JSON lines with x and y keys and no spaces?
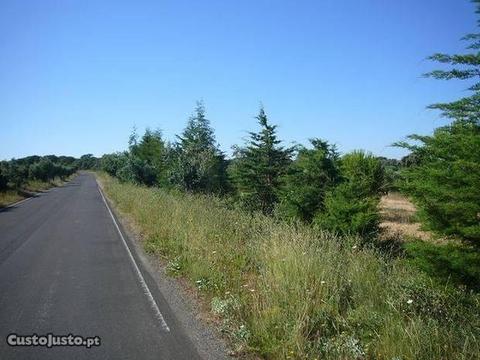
{"x":287,"y":292}
{"x":8,"y":197}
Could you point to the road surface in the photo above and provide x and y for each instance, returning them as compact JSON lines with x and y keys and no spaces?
{"x":65,"y":269}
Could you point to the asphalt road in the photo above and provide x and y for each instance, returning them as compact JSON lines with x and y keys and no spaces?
{"x":65,"y":269}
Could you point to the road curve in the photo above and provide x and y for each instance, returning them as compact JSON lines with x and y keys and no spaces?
{"x":64,"y":269}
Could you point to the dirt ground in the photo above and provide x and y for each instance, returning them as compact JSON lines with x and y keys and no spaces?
{"x":398,"y":218}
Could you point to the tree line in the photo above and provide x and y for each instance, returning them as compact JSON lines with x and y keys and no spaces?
{"x":316,"y":184}
{"x":313,"y":184}
{"x":15,"y":173}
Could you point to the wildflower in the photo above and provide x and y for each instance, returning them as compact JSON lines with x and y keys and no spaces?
{"x":409,"y":301}
{"x":322,"y":282}
{"x":354,"y":247}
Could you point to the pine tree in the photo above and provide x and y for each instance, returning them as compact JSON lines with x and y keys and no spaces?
{"x":259,"y":167}
{"x":197,"y":164}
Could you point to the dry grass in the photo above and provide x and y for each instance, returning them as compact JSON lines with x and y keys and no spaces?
{"x":287,"y":292}
{"x":9,"y":197}
{"x":399,"y":218}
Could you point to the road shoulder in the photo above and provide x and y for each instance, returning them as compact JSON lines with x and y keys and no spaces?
{"x":183,"y":303}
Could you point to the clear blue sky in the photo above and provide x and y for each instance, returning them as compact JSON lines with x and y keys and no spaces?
{"x":76,"y":75}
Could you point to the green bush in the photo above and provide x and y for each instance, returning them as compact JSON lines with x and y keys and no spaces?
{"x":347,"y":213}
{"x":43,"y":170}
{"x":352,"y":206}
{"x":137,"y":171}
{"x":310,"y":176}
{"x":112,"y":163}
{"x":4,"y":175}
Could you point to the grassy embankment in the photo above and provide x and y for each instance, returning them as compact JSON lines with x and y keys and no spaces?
{"x":285,"y":292}
{"x":29,"y":189}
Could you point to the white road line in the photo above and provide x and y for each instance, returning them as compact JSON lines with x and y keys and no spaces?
{"x":144,"y":285}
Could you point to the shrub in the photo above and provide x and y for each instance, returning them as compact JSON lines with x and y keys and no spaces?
{"x":347,"y":213}
{"x":4,"y":175}
{"x":352,"y":207}
{"x":313,"y":172}
{"x":43,"y":170}
{"x":137,"y":171}
{"x":112,"y":163}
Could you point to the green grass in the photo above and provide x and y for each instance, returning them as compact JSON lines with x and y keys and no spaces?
{"x":286,"y":292}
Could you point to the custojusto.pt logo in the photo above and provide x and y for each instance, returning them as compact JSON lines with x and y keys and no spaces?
{"x":51,"y":340}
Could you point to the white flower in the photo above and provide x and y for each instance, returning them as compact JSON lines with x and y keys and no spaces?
{"x":322,"y":282}
{"x":409,"y":301}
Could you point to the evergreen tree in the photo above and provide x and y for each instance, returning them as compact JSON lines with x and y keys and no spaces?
{"x":133,"y":140}
{"x":444,"y":179}
{"x":465,"y":67}
{"x":313,"y":172}
{"x":259,"y":167}
{"x":151,"y":150}
{"x":445,"y":184}
{"x":197,"y":164}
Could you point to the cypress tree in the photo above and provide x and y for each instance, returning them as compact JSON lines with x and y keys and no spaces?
{"x":444,"y":181}
{"x":197,"y":164}
{"x":259,"y":167}
{"x":313,"y":172}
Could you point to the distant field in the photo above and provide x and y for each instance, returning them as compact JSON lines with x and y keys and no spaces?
{"x":286,"y":292}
